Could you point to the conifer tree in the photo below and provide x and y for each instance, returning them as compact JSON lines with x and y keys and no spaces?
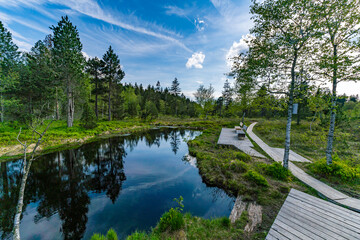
{"x":69,"y":62}
{"x":9,"y":57}
{"x":94,"y":68}
{"x":112,"y":73}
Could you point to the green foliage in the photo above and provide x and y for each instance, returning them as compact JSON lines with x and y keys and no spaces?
{"x":243,"y":156}
{"x":111,"y":235}
{"x":88,"y":118}
{"x":338,"y":169}
{"x":276,"y":170}
{"x":172,"y":220}
{"x":225,"y":222}
{"x":98,"y":236}
{"x":239,"y":166}
{"x":256,"y":178}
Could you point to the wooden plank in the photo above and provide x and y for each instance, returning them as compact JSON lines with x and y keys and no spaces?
{"x":285,"y":232}
{"x":292,"y":228}
{"x":341,"y":234}
{"x":276,"y":235}
{"x":327,"y":214}
{"x":308,"y":229}
{"x":341,"y":211}
{"x":327,"y":221}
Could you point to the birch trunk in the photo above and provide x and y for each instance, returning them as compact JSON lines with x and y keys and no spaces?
{"x":330,"y":139}
{"x":289,"y":118}
{"x":109,"y":117}
{"x":26,"y":169}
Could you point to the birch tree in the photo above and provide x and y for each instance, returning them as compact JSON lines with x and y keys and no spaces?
{"x":339,"y":58}
{"x":282,"y":32}
{"x":69,"y":62}
{"x":37,"y":139}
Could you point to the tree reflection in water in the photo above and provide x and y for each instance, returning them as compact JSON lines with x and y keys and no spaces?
{"x":60,"y":183}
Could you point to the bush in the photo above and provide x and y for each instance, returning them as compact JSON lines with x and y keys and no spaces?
{"x":111,"y":235}
{"x":337,"y":169}
{"x":225,"y":222}
{"x":256,"y":178}
{"x":172,"y":220}
{"x":238,"y":166}
{"x":243,"y":156}
{"x":276,"y":170}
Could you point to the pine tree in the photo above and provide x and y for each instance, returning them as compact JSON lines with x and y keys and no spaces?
{"x":175,"y":89}
{"x":69,"y":62}
{"x":227,"y":94}
{"x":112,"y":73}
{"x":94,"y":68}
{"x":9,"y":57}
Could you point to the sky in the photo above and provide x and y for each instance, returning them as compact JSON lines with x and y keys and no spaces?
{"x":155,"y":40}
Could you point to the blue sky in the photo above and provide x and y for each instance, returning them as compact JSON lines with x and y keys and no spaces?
{"x":155,"y":40}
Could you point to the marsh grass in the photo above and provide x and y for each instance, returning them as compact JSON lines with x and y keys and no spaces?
{"x":344,"y":174}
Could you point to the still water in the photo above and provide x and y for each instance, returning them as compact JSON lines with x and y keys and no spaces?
{"x":125,"y":183}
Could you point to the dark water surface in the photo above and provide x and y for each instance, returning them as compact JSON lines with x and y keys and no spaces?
{"x":122,"y":182}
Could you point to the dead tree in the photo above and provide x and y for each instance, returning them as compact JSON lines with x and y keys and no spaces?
{"x":25,"y":170}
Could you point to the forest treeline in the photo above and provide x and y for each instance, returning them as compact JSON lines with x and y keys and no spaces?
{"x":55,"y":80}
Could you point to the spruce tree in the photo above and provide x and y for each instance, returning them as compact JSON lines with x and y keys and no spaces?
{"x":9,"y":57}
{"x":69,"y":62}
{"x":227,"y":94}
{"x":112,"y":73}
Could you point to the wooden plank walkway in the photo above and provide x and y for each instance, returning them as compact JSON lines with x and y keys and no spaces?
{"x":303,"y":216}
{"x":319,"y":186}
{"x":228,"y":137}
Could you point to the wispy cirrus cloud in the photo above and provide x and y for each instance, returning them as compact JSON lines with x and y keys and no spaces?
{"x":92,"y":9}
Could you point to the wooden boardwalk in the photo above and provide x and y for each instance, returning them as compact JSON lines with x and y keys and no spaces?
{"x":228,"y":137}
{"x":303,"y":216}
{"x":319,"y":186}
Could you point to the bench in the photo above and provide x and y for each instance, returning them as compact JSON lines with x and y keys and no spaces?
{"x":241,"y":134}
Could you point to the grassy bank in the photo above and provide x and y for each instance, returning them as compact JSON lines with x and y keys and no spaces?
{"x":344,"y":174}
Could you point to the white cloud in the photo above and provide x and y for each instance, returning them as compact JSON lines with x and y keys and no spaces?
{"x":196,"y":60}
{"x":86,"y":56}
{"x":237,"y":48}
{"x":200,"y":82}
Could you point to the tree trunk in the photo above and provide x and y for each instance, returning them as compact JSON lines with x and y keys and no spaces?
{"x":26,"y":169}
{"x":57,"y":104}
{"x":330,"y":140}
{"x":96,"y":100}
{"x":2,"y":107}
{"x":70,"y":107}
{"x":109,"y":117}
{"x":298,"y":114}
{"x":290,"y":109}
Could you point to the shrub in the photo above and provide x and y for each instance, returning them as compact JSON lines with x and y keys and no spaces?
{"x":111,"y":235}
{"x":238,"y":166}
{"x":173,"y":219}
{"x":97,"y":236}
{"x":337,"y":169}
{"x":225,"y":222}
{"x":138,"y":236}
{"x":243,"y":156}
{"x":276,"y":170}
{"x":256,"y":178}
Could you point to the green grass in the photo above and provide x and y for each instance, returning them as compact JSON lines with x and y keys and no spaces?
{"x":59,"y":136}
{"x":312,"y":144}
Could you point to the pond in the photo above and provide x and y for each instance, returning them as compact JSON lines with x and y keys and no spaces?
{"x":125,"y":183}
